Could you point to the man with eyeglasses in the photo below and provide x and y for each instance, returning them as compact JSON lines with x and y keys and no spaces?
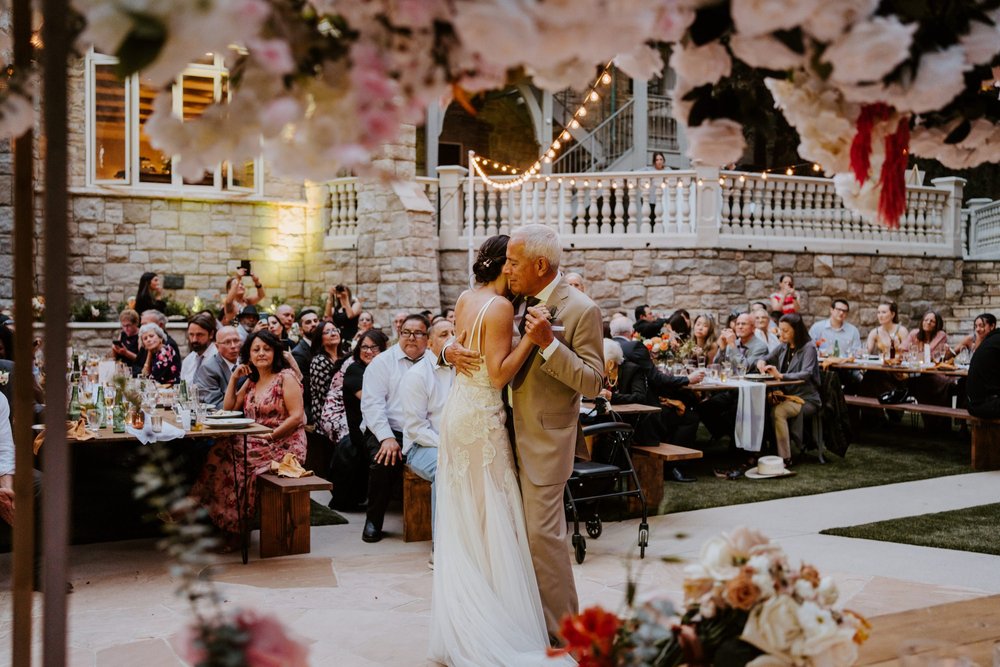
{"x":383,"y":417}
{"x":836,"y":332}
{"x":213,"y":376}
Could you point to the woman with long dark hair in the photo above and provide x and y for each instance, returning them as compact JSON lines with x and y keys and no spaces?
{"x":794,"y":359}
{"x":889,"y":333}
{"x":271,"y":396}
{"x":149,"y":294}
{"x":328,"y":355}
{"x":930,"y":333}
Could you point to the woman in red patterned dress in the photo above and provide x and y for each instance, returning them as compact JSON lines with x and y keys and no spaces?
{"x":271,"y":396}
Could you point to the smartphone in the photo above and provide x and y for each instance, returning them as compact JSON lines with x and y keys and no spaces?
{"x":245,"y":264}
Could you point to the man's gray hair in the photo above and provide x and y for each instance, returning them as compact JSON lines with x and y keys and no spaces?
{"x":613,"y":352}
{"x":620,"y":326}
{"x":539,"y":241}
{"x":160,"y":317}
{"x":155,"y":328}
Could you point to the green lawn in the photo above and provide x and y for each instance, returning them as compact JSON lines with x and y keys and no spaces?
{"x":881,"y":455}
{"x":970,"y":529}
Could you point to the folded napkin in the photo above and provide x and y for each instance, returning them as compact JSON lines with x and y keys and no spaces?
{"x":944,"y":366}
{"x":146,"y":435}
{"x":289,"y":467}
{"x":74,"y":431}
{"x":750,"y":414}
{"x":678,"y":406}
{"x":832,"y":361}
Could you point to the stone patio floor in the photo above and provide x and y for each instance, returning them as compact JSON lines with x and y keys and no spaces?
{"x":360,"y":604}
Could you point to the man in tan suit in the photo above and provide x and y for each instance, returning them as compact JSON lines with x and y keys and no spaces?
{"x":545,"y":399}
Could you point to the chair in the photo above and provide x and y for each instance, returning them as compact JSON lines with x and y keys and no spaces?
{"x":812,"y":414}
{"x":609,"y":474}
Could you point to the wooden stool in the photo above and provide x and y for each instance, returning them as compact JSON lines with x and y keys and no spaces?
{"x":284,"y":513}
{"x":416,"y":507}
{"x":648,"y":463}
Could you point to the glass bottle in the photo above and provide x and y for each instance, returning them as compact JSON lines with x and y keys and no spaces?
{"x":102,"y":411}
{"x":836,"y":348}
{"x":182,"y":391}
{"x":73,"y":413}
{"x":118,"y":416}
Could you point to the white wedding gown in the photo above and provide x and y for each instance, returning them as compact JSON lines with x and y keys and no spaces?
{"x":485,"y":608}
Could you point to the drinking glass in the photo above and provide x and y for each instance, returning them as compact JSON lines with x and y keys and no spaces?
{"x":713,"y":372}
{"x":156,"y":422}
{"x":726,"y":371}
{"x":702,"y":360}
{"x":963,"y":356}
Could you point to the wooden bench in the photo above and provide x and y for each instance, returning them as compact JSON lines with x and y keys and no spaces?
{"x":649,"y":461}
{"x":985,"y":432}
{"x":284,"y":513}
{"x":416,"y":507}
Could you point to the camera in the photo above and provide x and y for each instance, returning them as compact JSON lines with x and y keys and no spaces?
{"x":339,"y":289}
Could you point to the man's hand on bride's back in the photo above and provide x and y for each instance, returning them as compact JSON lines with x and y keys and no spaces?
{"x":465,"y":361}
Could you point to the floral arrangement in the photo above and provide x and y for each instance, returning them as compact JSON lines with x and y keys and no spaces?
{"x":90,"y":311}
{"x":217,"y":636}
{"x":744,"y":604}
{"x":38,"y":307}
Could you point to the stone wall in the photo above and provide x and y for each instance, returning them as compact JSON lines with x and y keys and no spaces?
{"x":719,"y":281}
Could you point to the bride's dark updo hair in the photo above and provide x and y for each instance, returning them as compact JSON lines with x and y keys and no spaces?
{"x":491,"y":258}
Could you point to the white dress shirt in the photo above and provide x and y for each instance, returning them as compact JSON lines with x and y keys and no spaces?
{"x":381,"y":398}
{"x":6,"y":439}
{"x":543,"y":297}
{"x":194,"y":361}
{"x":424,"y":391}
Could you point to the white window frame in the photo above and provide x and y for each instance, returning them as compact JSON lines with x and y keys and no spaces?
{"x":222,"y":182}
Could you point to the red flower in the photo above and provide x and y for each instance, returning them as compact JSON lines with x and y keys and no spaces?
{"x":590,"y":637}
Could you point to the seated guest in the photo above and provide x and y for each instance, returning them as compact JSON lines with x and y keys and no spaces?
{"x":382,"y":407}
{"x":794,"y":359}
{"x":302,"y":353}
{"x":836,"y":333}
{"x":576,"y":280}
{"x":424,"y":391}
{"x":161,"y":362}
{"x":213,"y":376}
{"x":353,"y":476}
{"x":149,"y":295}
{"x":247,"y":322}
{"x":647,"y":324}
{"x":271,"y":396}
{"x":704,"y":338}
{"x":739,"y":345}
{"x":328,"y":352}
{"x":677,"y":422}
{"x":764,"y":329}
{"x":625,"y":381}
{"x":620,"y":330}
{"x":680,"y":325}
{"x":931,"y":334}
{"x":983,"y":382}
{"x":982,"y":327}
{"x":343,"y":310}
{"x":159,"y":319}
{"x":236,"y":299}
{"x":889,"y":333}
{"x":366,"y":322}
{"x":201,"y":342}
{"x":125,"y":346}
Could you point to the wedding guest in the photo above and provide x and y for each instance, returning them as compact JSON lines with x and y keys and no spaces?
{"x":928,"y":387}
{"x":201,"y":342}
{"x":381,"y":405}
{"x":624,"y":381}
{"x":786,"y":299}
{"x":286,"y":315}
{"x":366,"y":322}
{"x":161,"y":362}
{"x":343,"y":310}
{"x":213,"y":376}
{"x":397,"y":322}
{"x":704,"y":338}
{"x":647,"y":324}
{"x":449,"y":314}
{"x":836,"y":334}
{"x":370,"y":345}
{"x":271,"y":396}
{"x":930,"y":333}
{"x":327,"y":352}
{"x":302,"y":353}
{"x":277,"y":329}
{"x":889,"y":333}
{"x":236,"y":299}
{"x":620,"y":330}
{"x":739,"y":345}
{"x":149,"y":295}
{"x":794,"y":359}
{"x":160,"y":320}
{"x":248,"y":321}
{"x":982,"y":327}
{"x":659,"y":161}
{"x":348,"y":464}
{"x":983,"y":382}
{"x":576,"y":280}
{"x":125,"y":346}
{"x":763,"y":329}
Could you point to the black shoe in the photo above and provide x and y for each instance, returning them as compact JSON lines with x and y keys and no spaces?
{"x":678,"y":476}
{"x":371,"y":533}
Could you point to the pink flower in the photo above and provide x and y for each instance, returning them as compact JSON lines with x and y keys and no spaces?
{"x":269,"y":645}
{"x":274,"y":55}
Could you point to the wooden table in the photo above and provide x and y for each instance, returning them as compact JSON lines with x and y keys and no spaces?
{"x":974,"y":625}
{"x":922,"y":370}
{"x":723,"y":386}
{"x":242,"y":494}
{"x":626,"y":408}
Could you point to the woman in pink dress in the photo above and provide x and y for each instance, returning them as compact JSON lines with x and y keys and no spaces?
{"x":271,"y":396}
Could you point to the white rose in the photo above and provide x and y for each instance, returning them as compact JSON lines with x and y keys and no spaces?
{"x":827,"y":593}
{"x":940,"y":77}
{"x":773,"y":626}
{"x":862,"y":199}
{"x":765,"y":51}
{"x":982,"y":41}
{"x":642,"y":63}
{"x":716,"y":142}
{"x":870,"y":50}
{"x":699,"y":65}
{"x":717,"y":558}
{"x":831,"y":19}
{"x":760,"y":17}
{"x":832,"y":646}
{"x":805,"y":590}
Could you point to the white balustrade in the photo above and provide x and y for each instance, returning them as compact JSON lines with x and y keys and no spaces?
{"x":984,"y":229}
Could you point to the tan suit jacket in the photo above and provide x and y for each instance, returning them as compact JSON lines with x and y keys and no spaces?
{"x":545,"y":396}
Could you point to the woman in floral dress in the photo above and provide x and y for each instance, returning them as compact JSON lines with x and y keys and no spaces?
{"x":271,"y":396}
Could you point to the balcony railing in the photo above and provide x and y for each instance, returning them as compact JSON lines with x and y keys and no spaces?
{"x":984,"y":229}
{"x":690,"y":208}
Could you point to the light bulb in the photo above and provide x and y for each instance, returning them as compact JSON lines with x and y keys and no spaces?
{"x":574,"y":123}
{"x":547,"y":160}
{"x":496,"y":166}
{"x":742,"y":179}
{"x":594,"y":96}
{"x":556,"y":144}
{"x":564,"y":136}
{"x":789,"y":171}
{"x":503,"y":169}
{"x":764,"y":175}
{"x":816,"y":167}
{"x":581,"y":112}
{"x":606,"y":79}
{"x":550,"y":153}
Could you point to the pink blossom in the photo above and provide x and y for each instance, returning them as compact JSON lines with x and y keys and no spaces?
{"x":278,"y":113}
{"x":274,"y":55}
{"x":269,"y":645}
{"x":379,"y":125}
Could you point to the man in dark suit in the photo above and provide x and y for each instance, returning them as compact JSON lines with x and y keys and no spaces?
{"x":634,"y":351}
{"x":647,"y":323}
{"x":213,"y":376}
{"x":308,"y":319}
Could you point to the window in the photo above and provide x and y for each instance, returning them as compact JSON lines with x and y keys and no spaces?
{"x":118,"y":150}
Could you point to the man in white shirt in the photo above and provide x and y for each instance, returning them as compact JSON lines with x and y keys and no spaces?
{"x":7,"y":507}
{"x":836,"y":331}
{"x":201,"y":342}
{"x":424,"y":391}
{"x":382,"y":417}
{"x":213,"y":376}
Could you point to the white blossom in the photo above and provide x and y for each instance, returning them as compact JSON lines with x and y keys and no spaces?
{"x":699,"y":65}
{"x":766,"y":52}
{"x":870,"y":49}
{"x":643,"y":62}
{"x":716,"y":142}
{"x":760,"y":17}
{"x":831,"y":19}
{"x":940,"y":77}
{"x":982,"y":42}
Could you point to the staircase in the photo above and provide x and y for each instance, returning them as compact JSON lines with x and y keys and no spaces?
{"x":981,"y":294}
{"x":602,"y":148}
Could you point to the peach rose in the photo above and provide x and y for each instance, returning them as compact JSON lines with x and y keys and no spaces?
{"x":741,"y":592}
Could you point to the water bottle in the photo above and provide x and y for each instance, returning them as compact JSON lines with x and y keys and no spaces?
{"x":182,"y":392}
{"x":118,"y":416}
{"x":102,"y":411}
{"x":73,"y":413}
{"x":836,"y":348}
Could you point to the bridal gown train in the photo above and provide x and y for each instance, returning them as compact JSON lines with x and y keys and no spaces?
{"x":485,"y":608}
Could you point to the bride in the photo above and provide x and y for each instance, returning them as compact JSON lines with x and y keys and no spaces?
{"x":485,"y":608}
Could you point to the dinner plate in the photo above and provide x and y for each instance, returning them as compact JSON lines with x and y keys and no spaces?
{"x":224,"y":414}
{"x":242,"y":422}
{"x":37,"y":427}
{"x":756,"y":377}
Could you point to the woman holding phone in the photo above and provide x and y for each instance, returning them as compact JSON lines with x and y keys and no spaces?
{"x":236,"y":298}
